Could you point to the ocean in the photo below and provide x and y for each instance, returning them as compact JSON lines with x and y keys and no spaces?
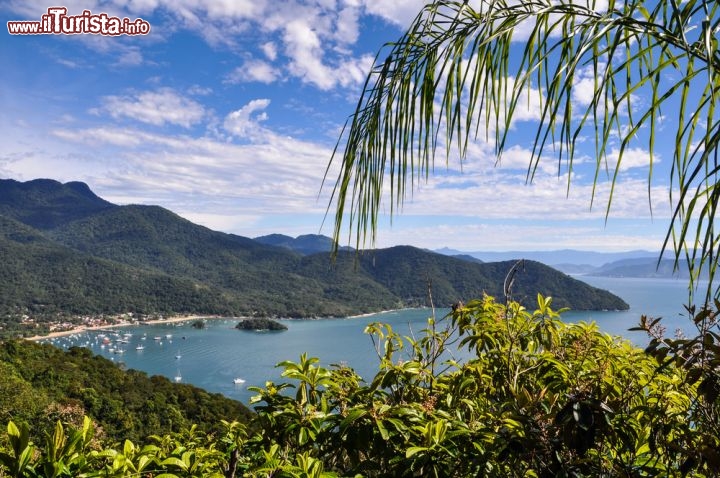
{"x":213,"y":357}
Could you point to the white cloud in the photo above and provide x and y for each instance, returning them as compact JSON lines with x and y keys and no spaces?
{"x":130,"y":57}
{"x":244,"y":122}
{"x":229,"y":221}
{"x":253,"y":70}
{"x":632,"y":158}
{"x":159,"y":107}
{"x":399,"y":12}
{"x":271,"y":174}
{"x":304,"y":47}
{"x":507,"y":196}
{"x":68,"y":63}
{"x":198,"y":90}
{"x":348,"y":29}
{"x":101,"y":135}
{"x":270,"y":50}
{"x":491,"y":236}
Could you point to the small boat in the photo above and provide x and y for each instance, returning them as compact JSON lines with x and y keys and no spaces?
{"x":157,"y":337}
{"x":140,"y":347}
{"x":178,"y":377}
{"x":238,"y":381}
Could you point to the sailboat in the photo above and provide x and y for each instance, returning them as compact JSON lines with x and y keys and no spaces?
{"x":178,"y":377}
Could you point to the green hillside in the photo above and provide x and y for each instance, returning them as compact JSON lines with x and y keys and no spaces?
{"x":408,"y":271}
{"x":40,"y":384}
{"x":45,"y":280}
{"x":70,"y":252}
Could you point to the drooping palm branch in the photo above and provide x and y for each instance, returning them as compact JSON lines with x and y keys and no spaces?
{"x":460,"y":71}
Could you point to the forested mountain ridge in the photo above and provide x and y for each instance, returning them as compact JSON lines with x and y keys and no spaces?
{"x":45,"y":203}
{"x":71,"y":251}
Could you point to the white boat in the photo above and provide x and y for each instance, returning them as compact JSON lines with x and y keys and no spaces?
{"x":178,"y":377}
{"x":238,"y":381}
{"x":140,"y":347}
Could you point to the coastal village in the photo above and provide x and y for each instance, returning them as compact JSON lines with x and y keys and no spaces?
{"x":34,"y":328}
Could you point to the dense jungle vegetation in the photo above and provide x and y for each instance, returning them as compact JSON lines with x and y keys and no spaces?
{"x":539,"y":397}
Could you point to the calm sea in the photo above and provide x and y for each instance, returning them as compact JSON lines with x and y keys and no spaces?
{"x":213,"y":357}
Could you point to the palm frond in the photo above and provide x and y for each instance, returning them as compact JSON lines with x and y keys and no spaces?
{"x":459,"y":72}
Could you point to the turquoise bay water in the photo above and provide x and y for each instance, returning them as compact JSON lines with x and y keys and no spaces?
{"x":652,"y":297}
{"x":211,"y":358}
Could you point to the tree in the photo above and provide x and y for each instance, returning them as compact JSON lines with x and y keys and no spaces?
{"x":452,"y":75}
{"x":457,"y":74}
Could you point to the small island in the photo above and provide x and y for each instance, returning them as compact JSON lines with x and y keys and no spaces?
{"x":257,"y":323}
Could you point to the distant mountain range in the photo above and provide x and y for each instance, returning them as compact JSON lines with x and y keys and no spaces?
{"x":306,"y":244}
{"x":640,"y":264}
{"x":586,"y":260}
{"x":68,"y":251}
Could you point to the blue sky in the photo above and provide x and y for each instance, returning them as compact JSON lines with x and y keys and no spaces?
{"x":228,"y":111}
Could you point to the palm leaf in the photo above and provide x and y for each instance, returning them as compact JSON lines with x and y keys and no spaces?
{"x":460,"y":72}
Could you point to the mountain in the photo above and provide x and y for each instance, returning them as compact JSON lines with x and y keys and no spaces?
{"x":643,"y":267}
{"x":40,"y":276}
{"x":466,"y":257}
{"x":70,"y":251}
{"x":559,"y":259}
{"x":411,"y":273}
{"x":44,"y":203}
{"x":305,"y":244}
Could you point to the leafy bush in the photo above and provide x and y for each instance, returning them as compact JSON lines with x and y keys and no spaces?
{"x":494,"y":390}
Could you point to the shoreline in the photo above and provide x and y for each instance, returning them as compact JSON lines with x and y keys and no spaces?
{"x":176,"y":319}
{"x":86,"y":328}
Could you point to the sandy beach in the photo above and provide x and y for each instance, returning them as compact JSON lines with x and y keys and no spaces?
{"x":84,"y":328}
{"x":168,"y":320}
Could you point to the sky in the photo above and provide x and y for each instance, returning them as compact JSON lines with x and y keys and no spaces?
{"x":227,"y":112}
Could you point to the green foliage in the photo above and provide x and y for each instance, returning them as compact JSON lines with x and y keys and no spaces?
{"x":41,"y":384}
{"x":492,"y":390}
{"x":260,"y":323}
{"x":535,"y":397}
{"x":699,"y":358}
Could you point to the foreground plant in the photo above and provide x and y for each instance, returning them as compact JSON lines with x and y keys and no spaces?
{"x":499,"y":391}
{"x":492,"y":389}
